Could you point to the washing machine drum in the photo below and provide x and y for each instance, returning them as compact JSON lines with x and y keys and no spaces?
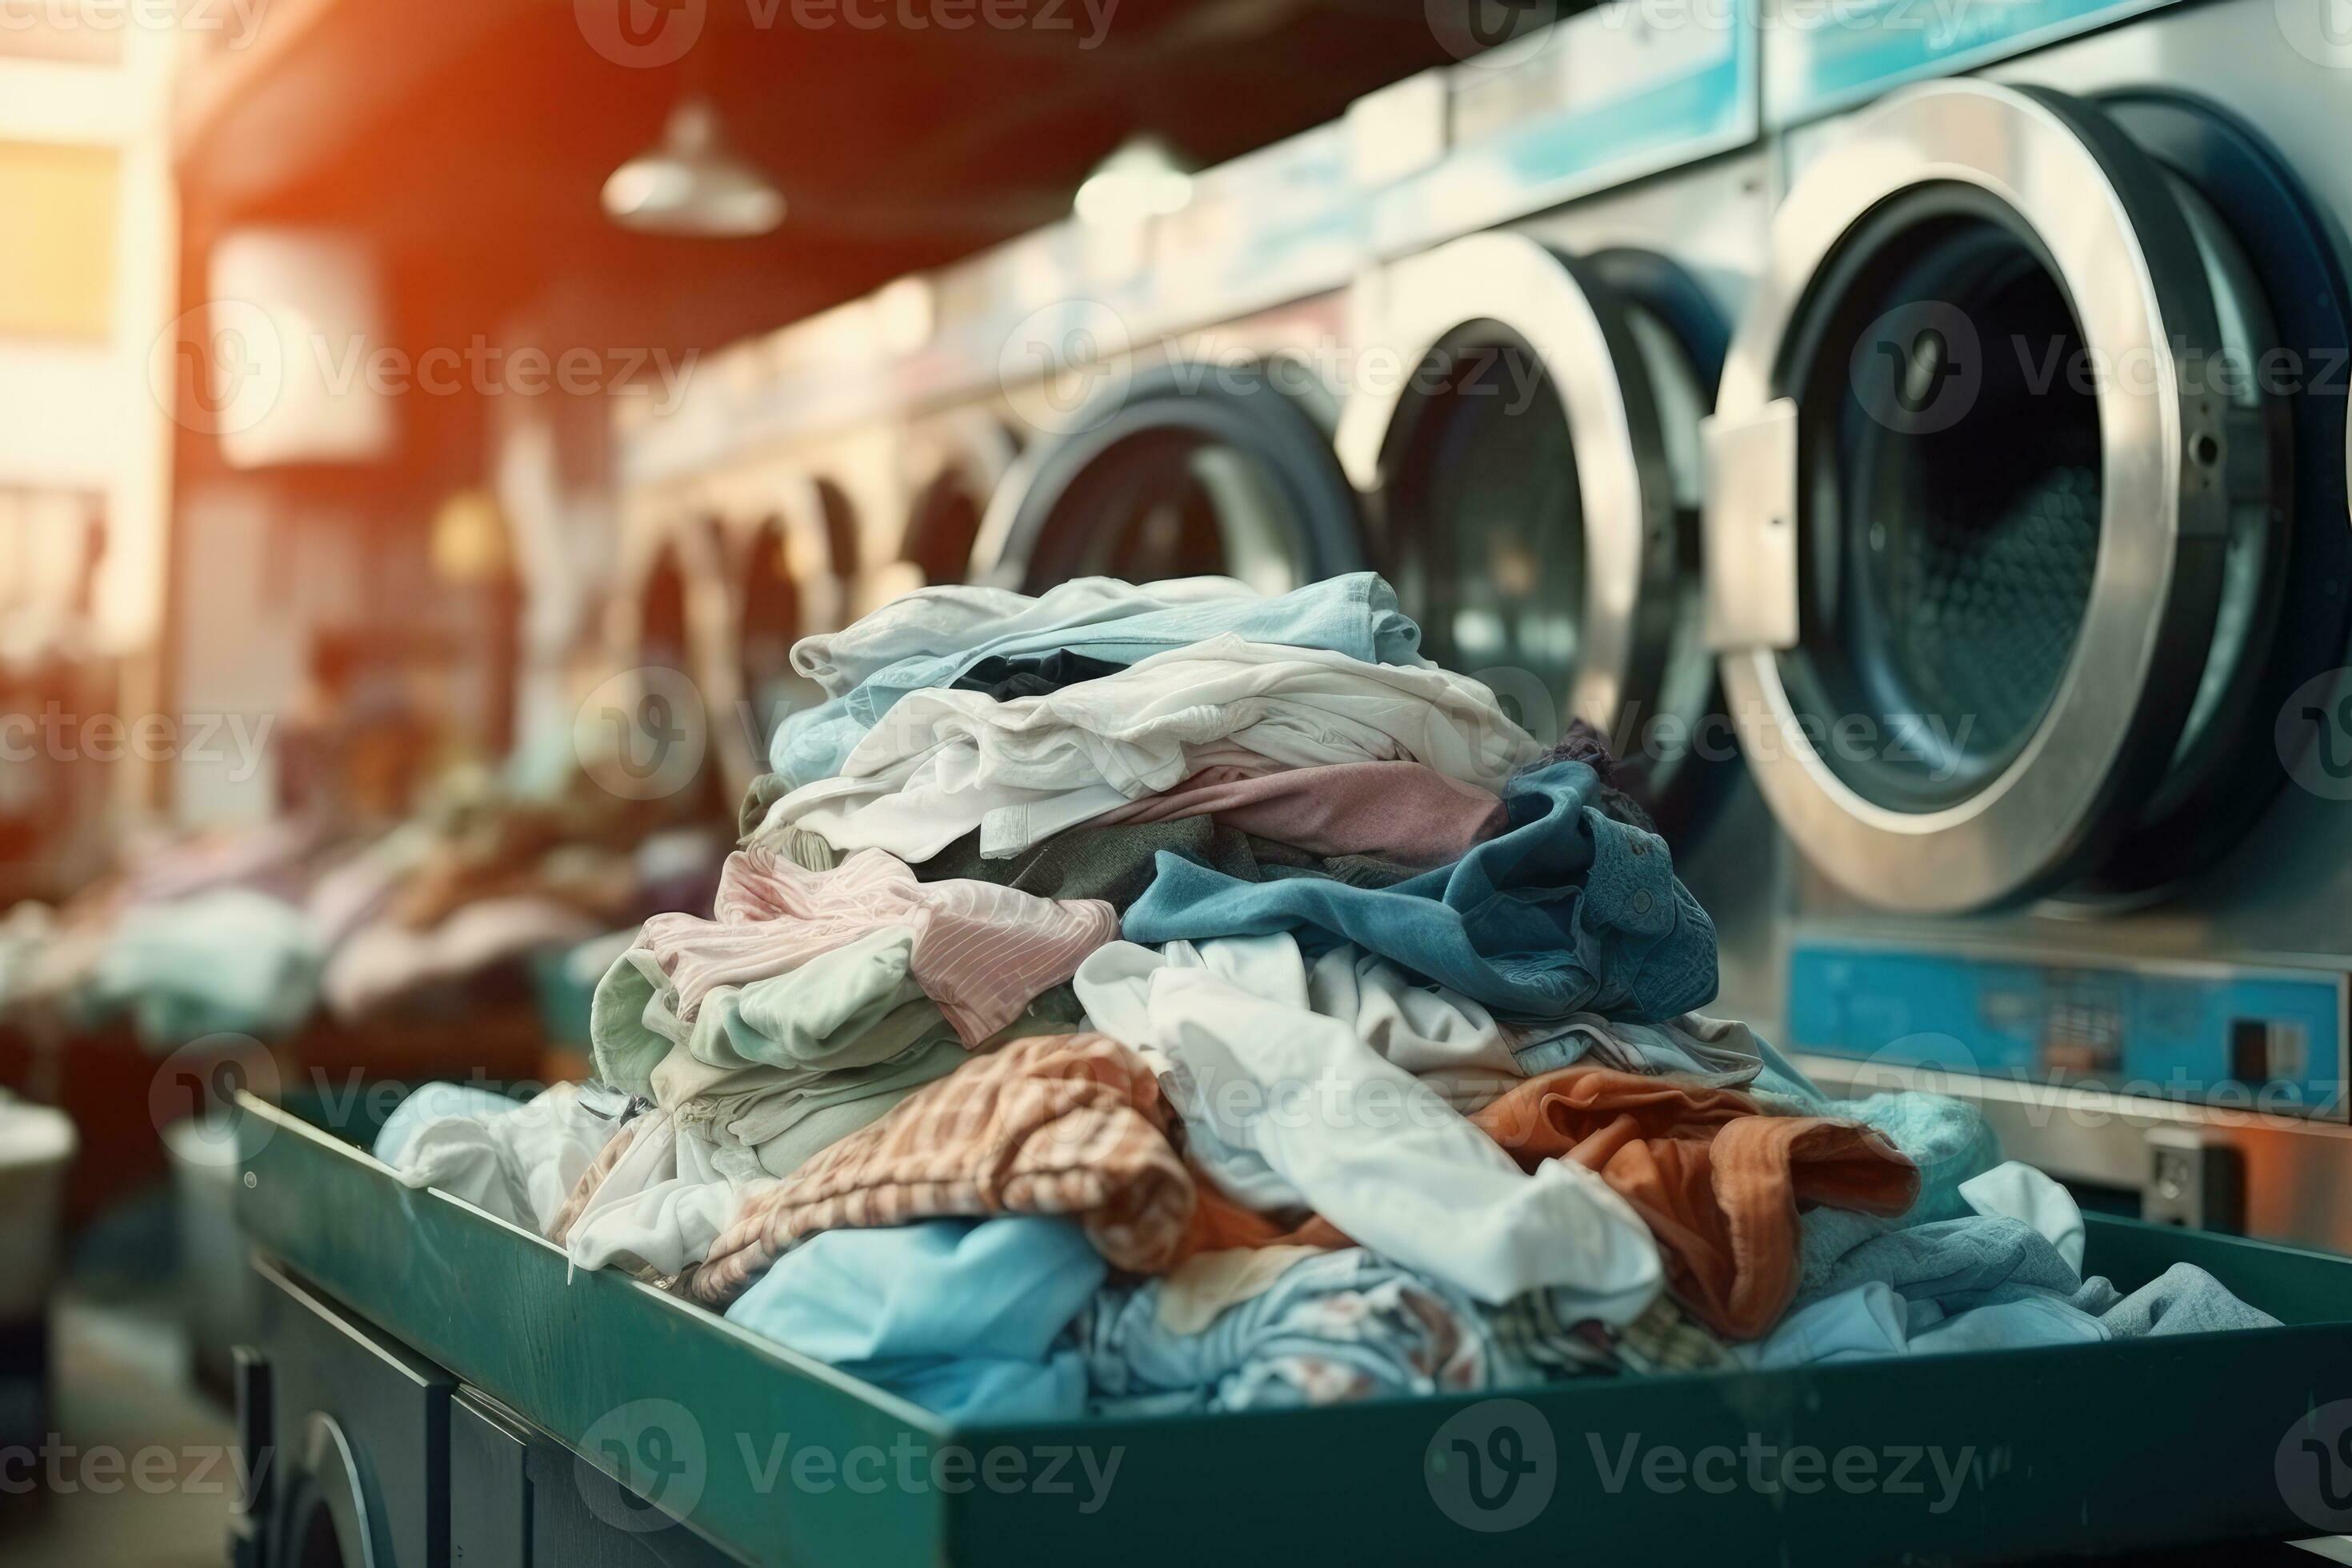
{"x":1527,"y":430}
{"x":1185,"y":469}
{"x":2021,"y":519}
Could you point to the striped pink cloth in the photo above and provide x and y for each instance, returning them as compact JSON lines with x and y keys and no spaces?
{"x":1400,"y":811}
{"x":982,"y":951}
{"x":1059,"y":1124}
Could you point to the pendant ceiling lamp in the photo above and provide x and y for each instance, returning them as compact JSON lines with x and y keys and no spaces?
{"x":1143,"y":178}
{"x":692,"y":183}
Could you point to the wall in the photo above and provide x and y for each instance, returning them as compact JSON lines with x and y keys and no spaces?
{"x":75,"y":411}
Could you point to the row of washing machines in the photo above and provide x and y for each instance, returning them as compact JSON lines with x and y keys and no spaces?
{"x":1941,"y":502}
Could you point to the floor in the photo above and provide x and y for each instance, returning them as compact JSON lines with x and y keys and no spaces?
{"x":139,"y":1470}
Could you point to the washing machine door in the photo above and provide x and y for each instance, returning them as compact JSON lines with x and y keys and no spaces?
{"x":952,"y":485}
{"x":784,"y":587}
{"x":1184,"y":470}
{"x":1980,"y":521}
{"x":1527,"y":432}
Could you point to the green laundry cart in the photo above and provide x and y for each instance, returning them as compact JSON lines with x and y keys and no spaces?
{"x":439,"y":1389}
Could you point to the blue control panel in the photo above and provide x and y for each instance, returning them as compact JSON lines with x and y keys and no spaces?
{"x":1822,"y":56}
{"x":2262,"y":1040}
{"x":1616,"y":93}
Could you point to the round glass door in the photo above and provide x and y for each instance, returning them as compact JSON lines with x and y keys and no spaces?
{"x":2005,"y":523}
{"x":1189,"y":470}
{"x":1534,"y":485}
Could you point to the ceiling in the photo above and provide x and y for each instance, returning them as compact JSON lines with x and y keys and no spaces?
{"x":470,"y":138}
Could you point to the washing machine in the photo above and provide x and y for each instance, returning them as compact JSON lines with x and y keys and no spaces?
{"x":2029,"y":565}
{"x":1186,"y":463}
{"x":666,"y":632}
{"x":951,"y":464}
{"x":796,"y":525}
{"x":1523,"y":425}
{"x":1175,"y":400}
{"x":1529,"y":460}
{"x":790,"y":565}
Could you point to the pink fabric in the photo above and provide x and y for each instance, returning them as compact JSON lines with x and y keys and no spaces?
{"x":980,"y":951}
{"x":1401,"y":811}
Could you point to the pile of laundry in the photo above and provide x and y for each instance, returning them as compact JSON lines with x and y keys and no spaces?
{"x":1173,"y":998}
{"x":257,"y":931}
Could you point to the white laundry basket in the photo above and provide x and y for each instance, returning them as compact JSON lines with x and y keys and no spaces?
{"x":216,"y":1287}
{"x":36,"y":1145}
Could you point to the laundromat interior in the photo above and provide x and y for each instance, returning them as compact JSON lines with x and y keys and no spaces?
{"x":968,"y":782}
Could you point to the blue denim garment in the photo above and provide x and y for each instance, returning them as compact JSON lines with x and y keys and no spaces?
{"x":964,"y":1317}
{"x":1568,"y":911}
{"x":1356,"y":615}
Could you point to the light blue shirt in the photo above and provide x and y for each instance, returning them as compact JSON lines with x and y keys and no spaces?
{"x":1355,"y":614}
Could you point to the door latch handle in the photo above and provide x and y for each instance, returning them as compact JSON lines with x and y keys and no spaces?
{"x":1751,"y":540}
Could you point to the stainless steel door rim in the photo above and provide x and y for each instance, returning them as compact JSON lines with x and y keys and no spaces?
{"x":2114,"y":237}
{"x":1242,"y":448}
{"x":1476,"y":294}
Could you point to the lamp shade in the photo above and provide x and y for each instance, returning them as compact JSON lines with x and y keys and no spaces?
{"x":693,"y":182}
{"x":1143,"y":178}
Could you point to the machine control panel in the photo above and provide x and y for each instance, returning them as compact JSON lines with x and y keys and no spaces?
{"x":2257,"y":1039}
{"x":1613,"y":93}
{"x":1822,"y":56}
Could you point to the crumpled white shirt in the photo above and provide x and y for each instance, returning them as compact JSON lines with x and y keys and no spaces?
{"x":517,"y":1161}
{"x":1254,"y":1072}
{"x":2014,"y":1190}
{"x":662,"y":1205}
{"x":942,"y":762}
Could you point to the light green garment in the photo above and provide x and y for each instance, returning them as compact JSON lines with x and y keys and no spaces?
{"x":786,"y":1125}
{"x":792,"y":1063}
{"x":814,"y":1015}
{"x":820,"y":1128}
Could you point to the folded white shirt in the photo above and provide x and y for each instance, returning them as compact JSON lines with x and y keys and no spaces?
{"x":1361,"y":1141}
{"x":943,"y":762}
